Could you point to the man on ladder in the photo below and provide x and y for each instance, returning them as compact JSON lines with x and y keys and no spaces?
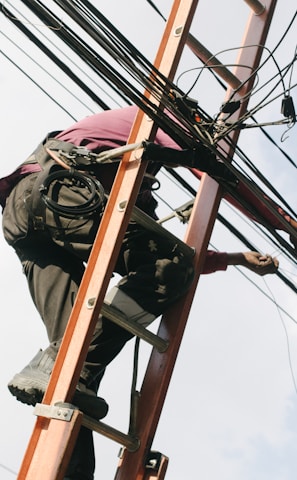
{"x":53,"y":204}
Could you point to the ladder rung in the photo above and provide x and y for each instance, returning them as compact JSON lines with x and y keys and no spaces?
{"x":128,"y":441}
{"x":63,"y":411}
{"x":120,"y":319}
{"x":256,"y":6}
{"x":146,"y":221}
{"x":212,"y":62}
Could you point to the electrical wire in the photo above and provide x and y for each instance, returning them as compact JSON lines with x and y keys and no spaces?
{"x":121,"y":53}
{"x":48,"y":19}
{"x":37,"y":85}
{"x":246,"y":243}
{"x":235,"y":231}
{"x":286,"y":335}
{"x":253,"y":74}
{"x":62,"y":85}
{"x":269,"y":297}
{"x":68,"y":37}
{"x":250,"y":113}
{"x":268,"y":136}
{"x":225,"y":88}
{"x":8,"y":469}
{"x":70,"y":60}
{"x":99,"y":64}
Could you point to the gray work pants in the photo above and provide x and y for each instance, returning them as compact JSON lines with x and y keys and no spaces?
{"x":53,"y":251}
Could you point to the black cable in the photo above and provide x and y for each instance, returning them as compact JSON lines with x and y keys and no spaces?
{"x":90,"y":57}
{"x":67,"y":178}
{"x":80,"y":48}
{"x":240,"y":153}
{"x":106,"y":71}
{"x":156,"y":9}
{"x":107,"y":66}
{"x":222,"y":84}
{"x":37,"y":85}
{"x":53,"y":45}
{"x":53,"y":57}
{"x":95,"y":34}
{"x":82,"y":23}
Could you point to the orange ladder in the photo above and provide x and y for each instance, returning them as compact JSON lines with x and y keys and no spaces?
{"x":58,"y":423}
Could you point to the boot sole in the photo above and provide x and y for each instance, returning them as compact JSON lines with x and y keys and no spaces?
{"x":26,"y":389}
{"x":29,"y":397}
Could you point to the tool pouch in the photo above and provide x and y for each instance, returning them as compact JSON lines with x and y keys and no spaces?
{"x":67,"y":192}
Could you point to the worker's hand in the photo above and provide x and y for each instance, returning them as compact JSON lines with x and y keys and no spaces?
{"x":260,"y":264}
{"x":254,"y":261}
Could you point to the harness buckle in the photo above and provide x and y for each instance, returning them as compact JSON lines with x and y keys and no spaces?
{"x":78,"y":156}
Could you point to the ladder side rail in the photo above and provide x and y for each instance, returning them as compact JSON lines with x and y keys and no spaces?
{"x":160,"y":367}
{"x":253,"y":43}
{"x":91,"y":294}
{"x":50,"y":465}
{"x":234,"y":82}
{"x":82,"y":321}
{"x":115,"y":220}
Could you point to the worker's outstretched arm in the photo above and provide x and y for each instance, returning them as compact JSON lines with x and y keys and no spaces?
{"x":200,"y":157}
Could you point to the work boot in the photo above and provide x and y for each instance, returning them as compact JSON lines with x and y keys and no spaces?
{"x":30,"y":384}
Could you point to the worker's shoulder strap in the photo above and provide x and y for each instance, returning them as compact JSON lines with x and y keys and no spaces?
{"x":40,"y":154}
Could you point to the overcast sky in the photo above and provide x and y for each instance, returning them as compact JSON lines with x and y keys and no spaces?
{"x":231,"y":410}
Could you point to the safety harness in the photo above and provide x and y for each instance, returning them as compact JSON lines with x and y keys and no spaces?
{"x":69,"y":165}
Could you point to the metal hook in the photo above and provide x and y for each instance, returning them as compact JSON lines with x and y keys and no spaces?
{"x":283,"y":137}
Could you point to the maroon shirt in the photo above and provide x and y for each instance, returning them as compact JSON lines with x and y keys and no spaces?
{"x":99,"y":132}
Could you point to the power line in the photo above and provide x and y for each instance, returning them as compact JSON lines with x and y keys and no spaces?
{"x":36,"y":84}
{"x":8,"y":469}
{"x":118,"y":47}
